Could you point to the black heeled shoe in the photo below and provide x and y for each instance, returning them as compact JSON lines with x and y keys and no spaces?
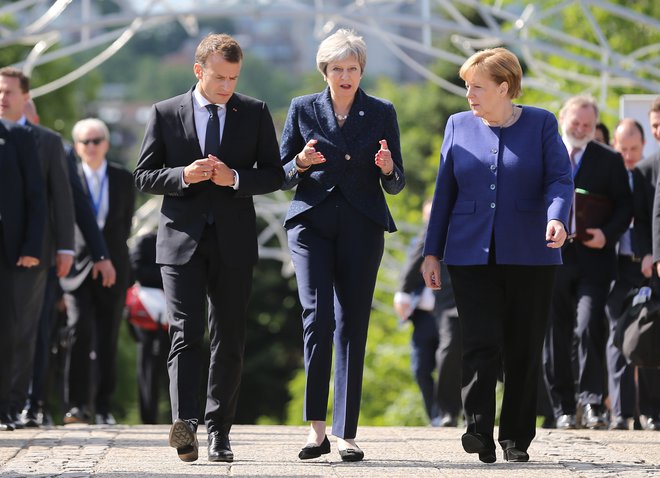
{"x":515,"y":455}
{"x":478,"y":443}
{"x":314,"y":451}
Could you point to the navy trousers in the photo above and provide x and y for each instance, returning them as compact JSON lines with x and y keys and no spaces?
{"x":336,"y":252}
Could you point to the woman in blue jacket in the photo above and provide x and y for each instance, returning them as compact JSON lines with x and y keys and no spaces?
{"x":340,"y":149}
{"x":501,"y":203}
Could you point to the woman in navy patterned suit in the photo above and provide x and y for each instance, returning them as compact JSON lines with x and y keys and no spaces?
{"x":501,"y":203}
{"x":340,"y":148}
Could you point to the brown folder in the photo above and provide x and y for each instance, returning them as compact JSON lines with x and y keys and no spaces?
{"x":591,"y":210}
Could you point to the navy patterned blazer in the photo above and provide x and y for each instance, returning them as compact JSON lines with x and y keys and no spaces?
{"x":349,"y":152}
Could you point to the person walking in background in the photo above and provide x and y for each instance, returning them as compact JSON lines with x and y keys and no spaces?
{"x":150,"y":332}
{"x":200,"y":150}
{"x":22,"y":224}
{"x":340,"y":150}
{"x":94,"y":306}
{"x":30,"y":283}
{"x":34,"y":413}
{"x":583,"y":283}
{"x":498,"y":221}
{"x":634,"y":269}
{"x":602,"y":134}
{"x":436,"y":339}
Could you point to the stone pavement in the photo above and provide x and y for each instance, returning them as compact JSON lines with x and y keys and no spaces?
{"x":78,"y":451}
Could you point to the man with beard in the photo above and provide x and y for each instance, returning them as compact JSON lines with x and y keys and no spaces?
{"x":583,"y":283}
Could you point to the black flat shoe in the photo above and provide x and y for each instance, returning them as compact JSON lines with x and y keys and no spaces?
{"x":515,"y":455}
{"x":477,"y":443}
{"x":314,"y":451}
{"x":351,"y":454}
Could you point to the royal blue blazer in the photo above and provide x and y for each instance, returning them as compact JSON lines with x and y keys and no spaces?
{"x":505,"y":183}
{"x":349,"y":152}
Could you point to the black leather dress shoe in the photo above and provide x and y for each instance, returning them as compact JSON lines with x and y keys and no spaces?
{"x":76,"y":415}
{"x":619,"y":423}
{"x":219,"y":447}
{"x":183,"y":437}
{"x":32,"y":418}
{"x":6,"y":425}
{"x":653,"y":423}
{"x":478,"y":443}
{"x":515,"y":455}
{"x":313,"y":450}
{"x":351,"y":454}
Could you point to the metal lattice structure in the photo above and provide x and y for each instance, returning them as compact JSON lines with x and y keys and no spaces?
{"x":411,"y":31}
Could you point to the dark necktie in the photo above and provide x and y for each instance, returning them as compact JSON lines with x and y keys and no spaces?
{"x":212,"y":142}
{"x":573,"y":225}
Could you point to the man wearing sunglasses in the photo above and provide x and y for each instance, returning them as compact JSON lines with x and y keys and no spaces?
{"x":94,"y":305}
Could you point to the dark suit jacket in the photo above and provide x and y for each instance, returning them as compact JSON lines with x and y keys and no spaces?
{"x":349,"y":152}
{"x":59,"y":228}
{"x":641,"y":240}
{"x":171,"y":143}
{"x":116,"y":231}
{"x":85,"y":218}
{"x":22,"y":197}
{"x":602,"y":171}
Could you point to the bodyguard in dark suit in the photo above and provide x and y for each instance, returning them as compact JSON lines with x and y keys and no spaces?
{"x":583,"y":282}
{"x":634,"y":269}
{"x":340,"y":149}
{"x":22,"y":224}
{"x":30,"y":284}
{"x":94,"y":308}
{"x":207,"y":235}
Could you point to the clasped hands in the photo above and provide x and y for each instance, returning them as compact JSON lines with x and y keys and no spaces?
{"x":309,"y":156}
{"x":209,"y":169}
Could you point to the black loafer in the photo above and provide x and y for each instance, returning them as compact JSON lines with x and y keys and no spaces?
{"x":477,"y":443}
{"x":314,"y":451}
{"x":515,"y":455}
{"x":183,"y":437}
{"x":351,"y":454}
{"x":219,"y":447}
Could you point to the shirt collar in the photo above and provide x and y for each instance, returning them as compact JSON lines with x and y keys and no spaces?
{"x":89,"y":171}
{"x":203,"y":102}
{"x":22,"y":120}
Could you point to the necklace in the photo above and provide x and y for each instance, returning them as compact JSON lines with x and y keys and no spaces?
{"x":341,"y":117}
{"x":505,"y":123}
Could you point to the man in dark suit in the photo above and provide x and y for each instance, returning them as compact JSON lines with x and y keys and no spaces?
{"x":634,"y":269}
{"x":583,"y":283}
{"x":30,"y":284}
{"x":22,"y":224}
{"x":207,"y":238}
{"x":33,"y":413}
{"x":436,"y":337}
{"x":94,"y":307}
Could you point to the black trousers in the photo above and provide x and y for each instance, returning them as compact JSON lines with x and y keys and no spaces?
{"x":94,"y":314}
{"x":205,"y":290}
{"x":152,"y":349}
{"x":7,"y":322}
{"x":503,"y":310}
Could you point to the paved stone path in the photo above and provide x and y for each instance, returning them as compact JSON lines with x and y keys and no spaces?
{"x":80,"y":451}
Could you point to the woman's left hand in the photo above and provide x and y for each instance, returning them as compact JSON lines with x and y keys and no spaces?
{"x":384,"y":159}
{"x":555,"y":234}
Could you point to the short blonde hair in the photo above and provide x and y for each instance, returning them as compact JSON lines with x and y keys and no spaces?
{"x":580,"y":101}
{"x":339,"y":46}
{"x":500,"y":65}
{"x":93,"y":123}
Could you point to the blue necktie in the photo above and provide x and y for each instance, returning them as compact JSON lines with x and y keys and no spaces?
{"x":212,"y":142}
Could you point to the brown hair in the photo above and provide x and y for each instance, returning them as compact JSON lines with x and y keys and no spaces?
{"x":220,"y":43}
{"x":11,"y":72}
{"x":500,"y":65}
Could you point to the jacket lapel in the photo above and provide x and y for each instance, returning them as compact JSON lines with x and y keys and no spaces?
{"x":187,"y":116}
{"x":325,"y":117}
{"x":232,"y":123}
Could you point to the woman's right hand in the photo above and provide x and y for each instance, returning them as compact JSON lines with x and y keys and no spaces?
{"x":431,"y":272}
{"x":309,"y":156}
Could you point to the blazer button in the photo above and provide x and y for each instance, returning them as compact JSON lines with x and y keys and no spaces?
{"x":492,"y":205}
{"x":347,"y":157}
{"x":493,"y":167}
{"x":493,"y":151}
{"x":492,"y":187}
